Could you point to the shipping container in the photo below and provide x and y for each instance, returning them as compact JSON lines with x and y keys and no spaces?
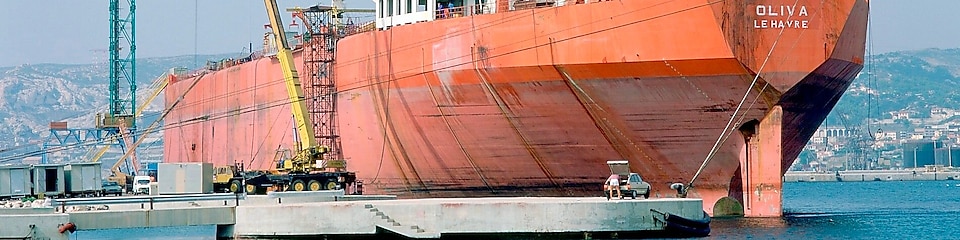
{"x":14,"y":181}
{"x":185,"y":178}
{"x":48,"y":180}
{"x":83,"y":179}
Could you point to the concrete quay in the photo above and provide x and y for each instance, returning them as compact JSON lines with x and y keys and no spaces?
{"x":330,"y":214}
{"x":44,"y":222}
{"x":870,"y":175}
{"x":433,"y":218}
{"x":197,"y":216}
{"x":32,"y":223}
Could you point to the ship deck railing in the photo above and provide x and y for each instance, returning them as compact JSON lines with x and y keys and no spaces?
{"x":532,"y":4}
{"x":270,"y":50}
{"x":465,"y":11}
{"x":490,"y":8}
{"x":366,"y":27}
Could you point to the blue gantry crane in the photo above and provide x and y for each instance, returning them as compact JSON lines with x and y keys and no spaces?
{"x":122,"y":89}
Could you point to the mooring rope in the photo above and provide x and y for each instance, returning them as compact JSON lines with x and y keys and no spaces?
{"x":727,"y":130}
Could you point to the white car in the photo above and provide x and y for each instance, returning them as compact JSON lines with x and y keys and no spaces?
{"x":631,"y":184}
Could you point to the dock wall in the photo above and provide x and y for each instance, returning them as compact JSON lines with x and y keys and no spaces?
{"x":865,"y":176}
{"x":431,"y":218}
{"x":196,"y":216}
{"x":32,"y":223}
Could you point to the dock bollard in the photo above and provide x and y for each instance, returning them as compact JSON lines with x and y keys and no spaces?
{"x":151,"y":203}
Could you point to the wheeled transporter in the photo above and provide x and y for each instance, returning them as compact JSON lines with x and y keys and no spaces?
{"x":258,"y":184}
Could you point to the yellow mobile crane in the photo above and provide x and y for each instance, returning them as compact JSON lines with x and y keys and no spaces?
{"x":306,"y":169}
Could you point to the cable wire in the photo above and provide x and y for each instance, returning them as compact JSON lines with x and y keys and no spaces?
{"x":727,"y":130}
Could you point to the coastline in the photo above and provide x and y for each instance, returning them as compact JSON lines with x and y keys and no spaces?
{"x":872,"y":175}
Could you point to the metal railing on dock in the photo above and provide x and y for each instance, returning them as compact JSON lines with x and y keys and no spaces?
{"x":63,"y":203}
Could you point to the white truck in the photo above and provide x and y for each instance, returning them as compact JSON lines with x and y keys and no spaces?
{"x":630,"y":183}
{"x":141,"y":185}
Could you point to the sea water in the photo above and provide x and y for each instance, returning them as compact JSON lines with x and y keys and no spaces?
{"x":812,"y":210}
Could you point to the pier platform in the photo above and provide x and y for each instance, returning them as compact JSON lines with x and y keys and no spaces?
{"x":32,"y":223}
{"x":332,"y":215}
{"x":433,"y":218}
{"x":870,"y":175}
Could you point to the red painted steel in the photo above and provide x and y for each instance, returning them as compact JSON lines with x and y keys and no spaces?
{"x":533,"y":102}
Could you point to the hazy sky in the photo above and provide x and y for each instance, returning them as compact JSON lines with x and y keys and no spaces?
{"x":62,"y":31}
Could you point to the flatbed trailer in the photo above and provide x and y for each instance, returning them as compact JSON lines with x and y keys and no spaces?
{"x":259,"y":183}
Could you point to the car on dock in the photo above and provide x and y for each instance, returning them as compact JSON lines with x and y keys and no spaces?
{"x":631,"y":184}
{"x":111,"y":188}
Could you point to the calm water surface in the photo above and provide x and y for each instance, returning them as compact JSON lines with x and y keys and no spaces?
{"x":826,"y":210}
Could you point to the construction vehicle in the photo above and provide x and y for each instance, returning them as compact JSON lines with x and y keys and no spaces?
{"x":228,"y":179}
{"x":305,"y":169}
{"x":122,"y":179}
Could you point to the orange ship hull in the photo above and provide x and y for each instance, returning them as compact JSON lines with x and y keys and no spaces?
{"x":533,"y":102}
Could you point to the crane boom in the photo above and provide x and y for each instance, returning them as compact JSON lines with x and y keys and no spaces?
{"x":127,"y":141}
{"x":120,"y":176}
{"x":158,"y":85}
{"x":308,"y":152}
{"x":306,"y":170}
{"x":291,"y":79}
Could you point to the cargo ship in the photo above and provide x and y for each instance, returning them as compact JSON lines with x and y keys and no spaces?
{"x":531,"y":98}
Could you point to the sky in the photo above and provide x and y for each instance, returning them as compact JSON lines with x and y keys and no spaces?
{"x":63,"y":31}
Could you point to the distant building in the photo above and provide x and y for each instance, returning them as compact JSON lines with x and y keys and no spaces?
{"x":942,"y":113}
{"x":831,"y":134}
{"x":948,"y":156}
{"x":919,"y":153}
{"x":900,"y":115}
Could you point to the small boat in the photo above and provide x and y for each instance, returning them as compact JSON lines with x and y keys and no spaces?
{"x":682,"y":226}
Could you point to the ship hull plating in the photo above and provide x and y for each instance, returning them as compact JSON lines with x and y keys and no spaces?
{"x":533,"y":102}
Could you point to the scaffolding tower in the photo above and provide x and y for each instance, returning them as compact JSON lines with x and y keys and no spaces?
{"x":123,"y":65}
{"x":325,"y":25}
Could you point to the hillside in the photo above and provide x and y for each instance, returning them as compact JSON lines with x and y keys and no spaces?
{"x":32,"y":95}
{"x":901,"y":81}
